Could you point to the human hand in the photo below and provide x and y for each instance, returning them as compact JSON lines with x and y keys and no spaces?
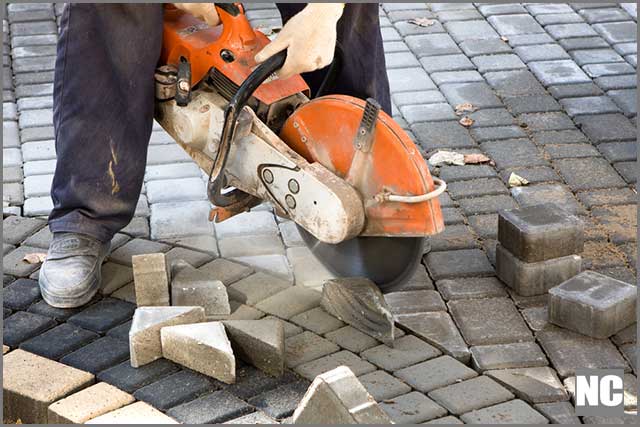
{"x":205,"y":11}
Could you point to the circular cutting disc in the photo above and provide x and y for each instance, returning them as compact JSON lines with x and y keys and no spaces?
{"x":387,"y":261}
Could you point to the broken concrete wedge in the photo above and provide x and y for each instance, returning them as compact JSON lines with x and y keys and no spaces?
{"x":337,"y":397}
{"x":151,"y":279}
{"x":202,"y":347}
{"x":259,"y":342}
{"x":358,"y":302}
{"x":144,"y":335}
{"x":190,"y":286}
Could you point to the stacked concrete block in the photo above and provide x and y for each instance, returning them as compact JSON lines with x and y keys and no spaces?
{"x":190,"y":287}
{"x":144,"y":335}
{"x":151,"y":278}
{"x":538,"y":248}
{"x":593,"y":304}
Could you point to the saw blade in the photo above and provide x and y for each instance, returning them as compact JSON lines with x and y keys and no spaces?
{"x":387,"y":261}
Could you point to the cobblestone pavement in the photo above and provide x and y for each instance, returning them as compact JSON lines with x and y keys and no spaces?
{"x":555,"y":88}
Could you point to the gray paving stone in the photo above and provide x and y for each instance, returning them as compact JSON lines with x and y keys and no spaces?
{"x":512,"y":412}
{"x":558,"y":72}
{"x":543,"y":52}
{"x":406,"y":28}
{"x":491,"y":117}
{"x":442,"y":135}
{"x":628,"y":171}
{"x":583,"y":43}
{"x":569,"y":351}
{"x":437,"y":329}
{"x":123,"y":254}
{"x":626,"y":48}
{"x":473,"y":48}
{"x":546,"y":8}
{"x":589,"y":105}
{"x":412,"y":408}
{"x":486,"y":204}
{"x":470,"y":395}
{"x":564,"y":31}
{"x":531,"y":104}
{"x":255,"y":288}
{"x":352,"y":339}
{"x":40,"y":167}
{"x":434,"y":64}
{"x":422,"y":97}
{"x":312,"y":369}
{"x":488,"y":9}
{"x":14,"y":263}
{"x":317,"y":320}
{"x":171,"y":171}
{"x":553,"y":193}
{"x":251,"y":223}
{"x":406,"y":351}
{"x":474,"y":287}
{"x":609,"y":69}
{"x":409,"y":79}
{"x":468,"y":30}
{"x":306,"y":347}
{"x":569,"y":136}
{"x":529,"y":39}
{"x":40,"y":150}
{"x":383,"y":386}
{"x":169,"y":220}
{"x":517,"y":24}
{"x":588,"y":173}
{"x":514,"y":83}
{"x":11,"y":157}
{"x":499,"y":132}
{"x":450,"y":420}
{"x":595,"y":56}
{"x":559,"y":18}
{"x":41,"y":133}
{"x":435,"y":373}
{"x":213,"y":408}
{"x":504,"y":356}
{"x":512,"y":153}
{"x":617,"y":32}
{"x":454,"y":237}
{"x":460,"y":263}
{"x":479,"y":95}
{"x":502,"y":62}
{"x":427,"y":113}
{"x":564,"y":151}
{"x":546,"y":121}
{"x":461,"y":173}
{"x":615,"y":196}
{"x":459,"y":15}
{"x":558,"y":412}
{"x":607,"y":128}
{"x":533,"y":385}
{"x":626,"y":99}
{"x":16,"y":229}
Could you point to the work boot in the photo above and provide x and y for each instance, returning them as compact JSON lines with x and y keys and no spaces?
{"x":70,"y":276}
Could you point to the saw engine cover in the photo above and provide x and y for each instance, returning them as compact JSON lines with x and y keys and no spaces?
{"x":324,"y":130}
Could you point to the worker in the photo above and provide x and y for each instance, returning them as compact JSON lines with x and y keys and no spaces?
{"x":104,"y":104}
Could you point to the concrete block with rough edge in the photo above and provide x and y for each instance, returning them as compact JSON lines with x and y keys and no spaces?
{"x":337,"y":397}
{"x":593,"y":304}
{"x":151,"y":277}
{"x":534,"y":278}
{"x":144,"y":336}
{"x":437,"y":328}
{"x":358,"y":302}
{"x":136,"y":413}
{"x":89,"y":403}
{"x":192,"y":287}
{"x":202,"y":347}
{"x":540,"y":232}
{"x":259,"y":342}
{"x":31,"y":383}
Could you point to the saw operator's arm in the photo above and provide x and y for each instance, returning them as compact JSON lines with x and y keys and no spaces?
{"x":309,"y":39}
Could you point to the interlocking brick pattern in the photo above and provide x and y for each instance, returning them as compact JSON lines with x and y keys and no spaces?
{"x":555,"y":91}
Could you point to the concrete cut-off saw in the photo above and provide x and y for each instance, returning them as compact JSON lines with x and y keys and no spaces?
{"x":343,"y":170}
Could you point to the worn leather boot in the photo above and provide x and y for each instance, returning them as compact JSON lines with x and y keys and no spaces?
{"x":70,"y":276}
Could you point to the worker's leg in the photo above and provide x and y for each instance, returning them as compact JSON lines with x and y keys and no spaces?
{"x":363,"y":71}
{"x":103,"y":112}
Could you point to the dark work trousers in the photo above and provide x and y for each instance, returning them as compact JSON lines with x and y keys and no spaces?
{"x":104,"y":101}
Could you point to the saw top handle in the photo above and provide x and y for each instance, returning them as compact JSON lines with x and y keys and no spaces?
{"x":237,"y":32}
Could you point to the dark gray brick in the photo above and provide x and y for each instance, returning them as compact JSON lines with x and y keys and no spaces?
{"x":213,"y":408}
{"x":491,"y":117}
{"x":486,"y":226}
{"x":435,"y":64}
{"x":610,"y":69}
{"x":469,"y":30}
{"x":619,"y":151}
{"x":583,"y":43}
{"x":454,"y":237}
{"x":497,"y":133}
{"x":562,"y":71}
{"x":477,"y":187}
{"x":589,"y":105}
{"x":98,"y":355}
{"x":442,"y":135}
{"x":574,"y":90}
{"x":21,"y":326}
{"x":478,"y":94}
{"x":569,"y":136}
{"x":175,"y":389}
{"x":461,"y":173}
{"x":251,"y":382}
{"x":452,"y":216}
{"x":459,"y":15}
{"x":473,"y":48}
{"x":563,"y":151}
{"x":511,"y":25}
{"x":59,"y":314}
{"x":565,"y":31}
{"x":131,"y":379}
{"x":628,"y":171}
{"x":547,"y":193}
{"x":282,"y":401}
{"x":513,"y":153}
{"x":503,"y":62}
{"x":529,"y":39}
{"x":617,"y":32}
{"x":543,"y":52}
{"x":626,"y":99}
{"x":472,"y":287}
{"x":458,"y":263}
{"x":607,"y":128}
{"x":546,"y":121}
{"x":531,"y":104}
{"x":16,"y":229}
{"x":59,"y":341}
{"x":21,"y":294}
{"x":617,"y":82}
{"x":595,"y":56}
{"x":609,"y":196}
{"x":514,"y":83}
{"x":432,"y":45}
{"x":588,"y":174}
{"x":104,"y":315}
{"x":486,"y":204}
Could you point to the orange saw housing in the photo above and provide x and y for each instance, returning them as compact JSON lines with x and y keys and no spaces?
{"x":322,"y":130}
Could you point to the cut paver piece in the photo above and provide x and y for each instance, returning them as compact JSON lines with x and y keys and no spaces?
{"x":435,"y":373}
{"x":136,"y":413}
{"x":534,"y":278}
{"x":489,"y":321}
{"x":559,"y":412}
{"x":203,"y":347}
{"x":259,"y":342}
{"x":144,"y":336}
{"x":503,"y":356}
{"x":337,"y":397}
{"x":151,"y":278}
{"x":89,"y":403}
{"x":540,"y":232}
{"x":192,"y":287}
{"x":358,"y":302}
{"x":26,"y":396}
{"x":511,"y":412}
{"x":593,"y":304}
{"x":472,"y":394}
{"x":533,"y":385}
{"x":437,"y":329}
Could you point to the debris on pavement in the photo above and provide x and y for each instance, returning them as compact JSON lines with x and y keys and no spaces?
{"x":466,"y":121}
{"x":151,"y":277}
{"x":358,"y":302}
{"x":465,"y":107}
{"x":35,"y":258}
{"x":593,"y":304}
{"x":443,"y":157}
{"x":144,"y":335}
{"x":202,"y":347}
{"x":258,"y":342}
{"x":190,"y":286}
{"x":516,"y":180}
{"x":422,"y":22}
{"x":538,"y":247}
{"x":338,"y":397}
